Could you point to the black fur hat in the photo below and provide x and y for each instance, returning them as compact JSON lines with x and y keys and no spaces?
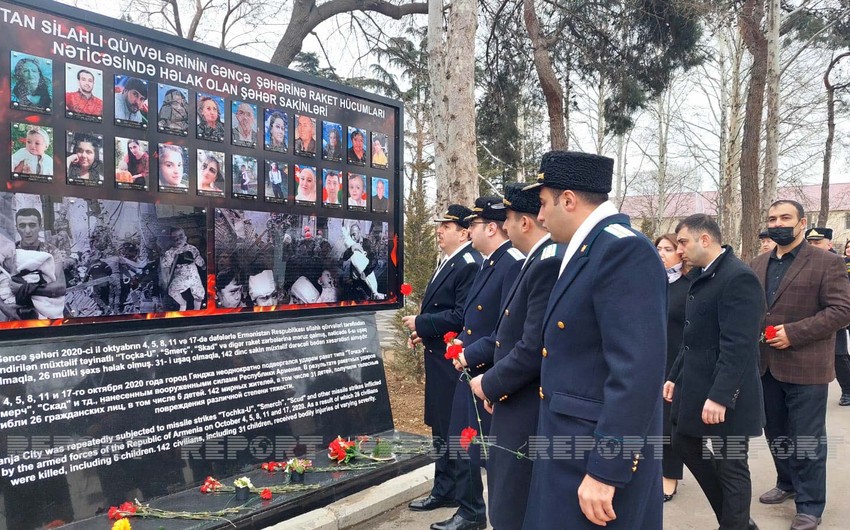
{"x":571,"y":170}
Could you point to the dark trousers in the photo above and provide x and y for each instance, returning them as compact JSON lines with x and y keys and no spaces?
{"x":796,"y":434}
{"x":722,"y":472}
{"x":842,"y":372}
{"x":671,"y":464}
{"x":469,"y":489}
{"x":444,"y":486}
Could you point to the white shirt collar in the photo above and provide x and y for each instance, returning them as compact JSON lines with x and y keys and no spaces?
{"x":542,"y":240}
{"x":458,"y":251}
{"x":487,"y":256}
{"x":603,"y":211}
{"x":712,"y":261}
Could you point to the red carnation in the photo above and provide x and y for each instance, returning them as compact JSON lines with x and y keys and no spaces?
{"x":338,"y":449}
{"x":205,"y":488}
{"x":266,"y":494}
{"x":114,"y":514}
{"x":769,"y":333}
{"x":128,"y":507}
{"x":406,"y":289}
{"x":453,"y":351}
{"x":466,"y":437}
{"x":450,"y":336}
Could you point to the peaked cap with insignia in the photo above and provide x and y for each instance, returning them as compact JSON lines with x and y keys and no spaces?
{"x":486,"y":208}
{"x":819,"y":233}
{"x":456,"y":213}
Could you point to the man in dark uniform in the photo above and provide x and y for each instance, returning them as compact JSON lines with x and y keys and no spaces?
{"x":604,"y":349}
{"x":822,"y":238}
{"x":714,"y":384}
{"x":441,"y":312}
{"x":509,"y":387}
{"x":483,"y":303}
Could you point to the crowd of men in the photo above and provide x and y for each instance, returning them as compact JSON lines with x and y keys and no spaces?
{"x":561,"y":311}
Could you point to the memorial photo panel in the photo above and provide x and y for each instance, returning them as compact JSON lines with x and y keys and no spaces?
{"x":83,"y":93}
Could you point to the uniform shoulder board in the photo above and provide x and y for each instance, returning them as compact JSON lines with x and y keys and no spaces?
{"x":549,"y":252}
{"x":516,"y":253}
{"x":619,"y":231}
{"x":468,"y":258}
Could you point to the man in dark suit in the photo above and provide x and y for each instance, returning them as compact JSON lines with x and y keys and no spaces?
{"x":808,"y":301}
{"x":509,"y":387}
{"x":714,"y":384}
{"x":822,"y":238}
{"x":604,"y":355}
{"x":441,"y":312}
{"x":483,"y":302}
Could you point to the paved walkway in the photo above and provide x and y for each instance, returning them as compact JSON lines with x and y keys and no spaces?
{"x":689,"y":509}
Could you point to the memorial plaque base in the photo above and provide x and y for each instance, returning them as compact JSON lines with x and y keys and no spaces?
{"x":257,"y":513}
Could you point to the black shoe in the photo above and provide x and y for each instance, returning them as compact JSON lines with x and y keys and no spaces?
{"x":752,"y":525}
{"x":669,"y":496}
{"x":844,"y":401}
{"x":431,"y":503}
{"x":457,"y":522}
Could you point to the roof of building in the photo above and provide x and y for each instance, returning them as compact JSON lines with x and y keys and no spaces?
{"x":687,"y":203}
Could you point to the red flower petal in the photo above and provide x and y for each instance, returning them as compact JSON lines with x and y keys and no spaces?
{"x":453,"y":351}
{"x":128,"y":507}
{"x":114,"y":514}
{"x":466,"y":437}
{"x":450,"y":336}
{"x":769,"y":332}
{"x":406,"y":289}
{"x":266,"y":494}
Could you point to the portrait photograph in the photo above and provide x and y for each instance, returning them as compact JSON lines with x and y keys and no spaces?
{"x":305,"y":135}
{"x":83,"y":93}
{"x":173,"y":168}
{"x":32,"y":259}
{"x":358,"y":150}
{"x":357,"y":193}
{"x":32,"y":152}
{"x":244,"y":121}
{"x":276,"y":130}
{"x":210,"y":122}
{"x":331,"y":188}
{"x":210,"y":173}
{"x":277,"y":181}
{"x":173,"y":114}
{"x":31,"y":83}
{"x":244,"y":177}
{"x":84,"y":158}
{"x":380,"y":194}
{"x":305,"y":185}
{"x":380,"y":150}
{"x":132,"y":164}
{"x":332,"y":145}
{"x":131,"y":102}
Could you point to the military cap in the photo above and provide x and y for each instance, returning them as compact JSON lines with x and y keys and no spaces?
{"x":571,"y":170}
{"x":485,"y":208}
{"x":764,"y":234}
{"x":456,"y":213}
{"x":819,"y":233}
{"x":520,"y":200}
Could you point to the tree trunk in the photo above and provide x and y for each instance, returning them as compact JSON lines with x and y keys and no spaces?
{"x":451,"y":65}
{"x":771,"y":142}
{"x":731,"y":56}
{"x":823,"y":215}
{"x":600,"y":116}
{"x":751,"y":218}
{"x":549,"y":82}
{"x":306,"y":16}
{"x":663,"y":110}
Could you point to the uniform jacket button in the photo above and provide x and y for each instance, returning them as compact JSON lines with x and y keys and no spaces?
{"x":545,"y":352}
{"x":507,"y":312}
{"x":541,"y":393}
{"x":691,"y":297}
{"x":498,"y":344}
{"x":480,"y":308}
{"x":560,"y":324}
{"x":469,"y":332}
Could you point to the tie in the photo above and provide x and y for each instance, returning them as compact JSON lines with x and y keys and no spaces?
{"x":439,"y":267}
{"x":38,"y":167}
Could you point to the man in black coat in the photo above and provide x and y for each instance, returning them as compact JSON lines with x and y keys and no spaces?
{"x":714,"y":383}
{"x":509,"y":387}
{"x":441,"y":312}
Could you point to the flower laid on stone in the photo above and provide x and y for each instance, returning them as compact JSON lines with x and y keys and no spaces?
{"x":243,"y":482}
{"x":137,"y":509}
{"x":343,"y":451}
{"x":298,"y":465}
{"x":273,"y":466}
{"x":211,"y":485}
{"x":128,"y":509}
{"x":266,"y":494}
{"x":121,"y":524}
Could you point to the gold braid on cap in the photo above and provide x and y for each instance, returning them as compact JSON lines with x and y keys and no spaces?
{"x":506,"y":202}
{"x":541,"y":177}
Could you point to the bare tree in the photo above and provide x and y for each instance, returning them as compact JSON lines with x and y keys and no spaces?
{"x":451,"y":67}
{"x":831,"y":88}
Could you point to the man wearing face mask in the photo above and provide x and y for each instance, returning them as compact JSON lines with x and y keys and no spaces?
{"x":808,"y":301}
